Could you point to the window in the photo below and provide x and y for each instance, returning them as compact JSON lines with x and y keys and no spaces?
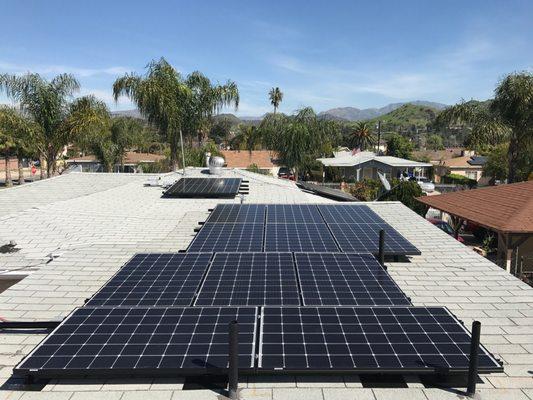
{"x":471,"y":175}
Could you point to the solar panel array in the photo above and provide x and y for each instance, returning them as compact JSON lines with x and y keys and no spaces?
{"x":290,"y":275}
{"x":204,"y":187}
{"x":298,"y":227}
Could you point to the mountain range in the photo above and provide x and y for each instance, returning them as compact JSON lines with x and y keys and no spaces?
{"x":356,"y":114}
{"x":339,"y":114}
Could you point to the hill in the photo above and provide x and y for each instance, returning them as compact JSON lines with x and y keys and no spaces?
{"x":356,"y":114}
{"x":407,"y":117}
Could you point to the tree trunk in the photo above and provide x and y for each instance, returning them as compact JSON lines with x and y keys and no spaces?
{"x":21,"y":171}
{"x":9,"y":182}
{"x":41,"y":169}
{"x":173,"y":155}
{"x":512,"y":156}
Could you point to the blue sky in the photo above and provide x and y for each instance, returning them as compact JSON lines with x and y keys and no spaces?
{"x":324,"y":54}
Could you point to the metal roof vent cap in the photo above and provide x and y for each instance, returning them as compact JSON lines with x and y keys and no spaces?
{"x":215,"y":165}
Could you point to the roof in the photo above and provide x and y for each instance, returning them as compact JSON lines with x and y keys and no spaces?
{"x":438,"y":155}
{"x":505,"y":208}
{"x":130,"y":157}
{"x":244,"y":158}
{"x":351,"y":160}
{"x":466,"y":162}
{"x":96,"y":222}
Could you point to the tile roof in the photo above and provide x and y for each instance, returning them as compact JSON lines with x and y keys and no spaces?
{"x":243,"y":158}
{"x":130,"y":157}
{"x":96,"y":222}
{"x":461,"y":162}
{"x":505,"y":208}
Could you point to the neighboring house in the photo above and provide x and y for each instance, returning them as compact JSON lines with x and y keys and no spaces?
{"x":264,"y":159}
{"x":470,"y":166}
{"x":436,"y":156}
{"x":366,"y":164}
{"x":506,"y":210}
{"x":130,"y":163}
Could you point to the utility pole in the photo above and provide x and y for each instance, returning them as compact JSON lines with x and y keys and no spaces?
{"x":379,"y":136}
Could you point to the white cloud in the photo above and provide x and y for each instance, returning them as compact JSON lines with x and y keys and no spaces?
{"x":46,"y":69}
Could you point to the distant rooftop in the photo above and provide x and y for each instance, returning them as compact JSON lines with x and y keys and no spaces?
{"x":347,"y":159}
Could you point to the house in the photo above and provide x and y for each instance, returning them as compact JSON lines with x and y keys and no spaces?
{"x":366,"y":165}
{"x":265,"y":160}
{"x":94,"y":223}
{"x":130,"y":162}
{"x":468,"y":165}
{"x":506,"y":210}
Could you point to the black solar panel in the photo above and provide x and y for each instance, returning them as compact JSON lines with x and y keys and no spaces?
{"x":293,"y":213}
{"x":204,"y":187}
{"x":228,"y":237}
{"x":155,"y":280}
{"x":146,"y":341}
{"x":328,"y":192}
{"x":364,"y":238}
{"x":237,"y":213}
{"x":299,"y":237}
{"x":349,"y":213}
{"x":366,"y":339}
{"x":343,"y":279}
{"x":250,"y":279}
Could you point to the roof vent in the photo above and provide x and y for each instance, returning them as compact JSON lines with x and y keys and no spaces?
{"x":215,"y":165}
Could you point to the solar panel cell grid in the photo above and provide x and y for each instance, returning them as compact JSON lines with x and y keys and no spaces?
{"x":364,"y":238}
{"x":228,"y":237}
{"x":349,"y":214}
{"x":366,"y":339}
{"x":237,"y":213}
{"x":155,"y":280}
{"x":204,"y":187}
{"x":293,"y":213}
{"x":94,"y":340}
{"x":343,"y":279}
{"x":250,"y":279}
{"x":299,"y":237}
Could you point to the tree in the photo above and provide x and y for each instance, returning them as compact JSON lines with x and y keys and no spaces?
{"x":361,"y":136}
{"x":206,"y":99}
{"x":497,"y":167}
{"x":171,"y":103}
{"x":507,"y":118}
{"x":249,"y":138}
{"x":48,"y":103}
{"x":434,"y":142}
{"x":398,"y":146}
{"x":16,"y":138}
{"x":276,"y":97}
{"x":298,"y":140}
{"x":406,"y":192}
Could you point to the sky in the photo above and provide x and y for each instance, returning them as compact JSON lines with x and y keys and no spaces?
{"x":323,"y":54}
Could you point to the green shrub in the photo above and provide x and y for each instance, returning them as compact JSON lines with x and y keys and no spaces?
{"x":405,"y":192}
{"x":365,"y":190}
{"x":457,"y":179}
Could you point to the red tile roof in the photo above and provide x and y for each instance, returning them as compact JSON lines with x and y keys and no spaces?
{"x":505,"y":208}
{"x":243,"y":158}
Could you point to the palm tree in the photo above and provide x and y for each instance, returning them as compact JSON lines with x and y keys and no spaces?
{"x":276,"y":97}
{"x":206,"y":100}
{"x":172,"y":103}
{"x":298,"y":140}
{"x":506,"y":118}
{"x":161,"y":96}
{"x":361,"y":137}
{"x":48,"y":105}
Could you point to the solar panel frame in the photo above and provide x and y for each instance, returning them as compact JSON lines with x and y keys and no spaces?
{"x":143,"y":341}
{"x":346,"y":279}
{"x":364,"y":238}
{"x":250,"y":279}
{"x":154,"y":279}
{"x":313,"y":237}
{"x":228,"y":237}
{"x":366,"y":340}
{"x":349,"y":214}
{"x":204,"y":188}
{"x":238,"y":213}
{"x":293,"y":214}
